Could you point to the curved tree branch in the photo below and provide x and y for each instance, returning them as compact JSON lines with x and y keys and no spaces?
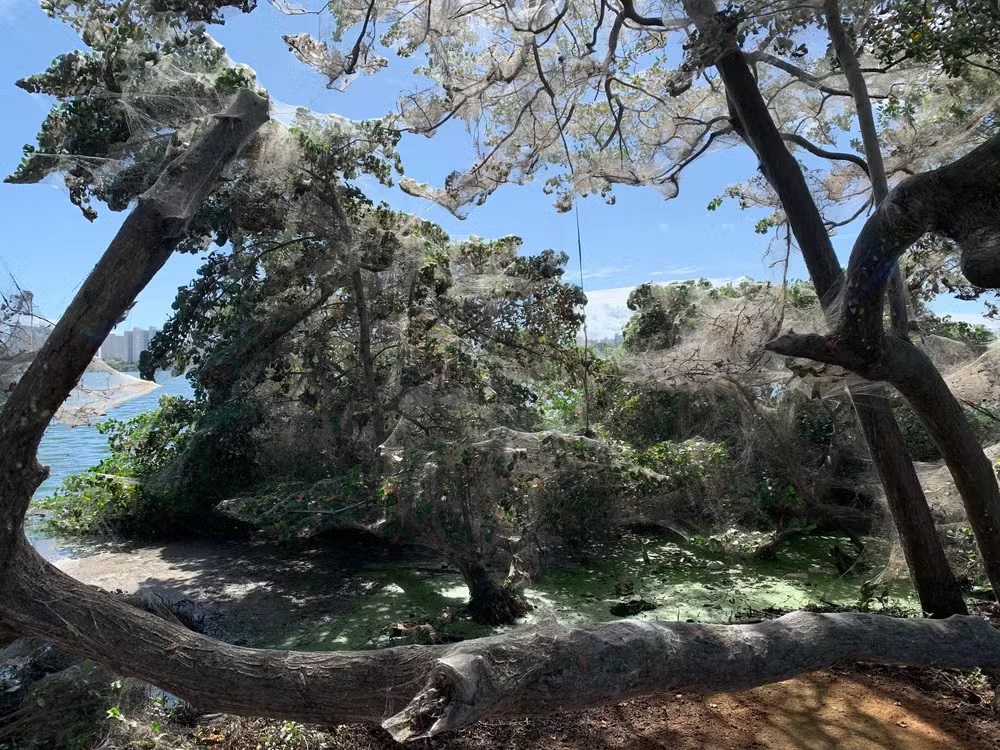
{"x":812,"y":148}
{"x":139,"y":249}
{"x":795,"y":71}
{"x":630,"y":13}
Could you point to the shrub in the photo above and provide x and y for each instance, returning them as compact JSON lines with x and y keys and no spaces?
{"x":113,"y":496}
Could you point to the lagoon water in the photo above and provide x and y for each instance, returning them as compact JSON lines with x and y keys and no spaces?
{"x":70,"y":450}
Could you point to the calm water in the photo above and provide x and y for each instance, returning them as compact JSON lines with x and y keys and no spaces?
{"x":70,"y":450}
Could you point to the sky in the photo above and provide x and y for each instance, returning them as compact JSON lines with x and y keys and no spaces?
{"x":49,"y":247}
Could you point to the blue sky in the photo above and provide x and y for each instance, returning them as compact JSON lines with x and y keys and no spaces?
{"x":49,"y":246}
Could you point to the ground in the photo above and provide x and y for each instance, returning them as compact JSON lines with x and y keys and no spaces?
{"x":853,"y":709}
{"x":261,"y":591}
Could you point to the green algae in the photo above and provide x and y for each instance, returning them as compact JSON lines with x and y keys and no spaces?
{"x":680,"y":579}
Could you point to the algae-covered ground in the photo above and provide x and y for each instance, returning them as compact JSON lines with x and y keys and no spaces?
{"x":686,"y":581}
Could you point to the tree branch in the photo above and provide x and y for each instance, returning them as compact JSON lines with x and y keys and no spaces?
{"x":873,"y":149}
{"x":423,"y":691}
{"x":795,"y":71}
{"x":139,"y":249}
{"x":960,"y":201}
{"x":628,"y":9}
{"x":823,"y":153}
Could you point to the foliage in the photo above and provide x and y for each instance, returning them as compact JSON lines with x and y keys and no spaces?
{"x":661,"y":314}
{"x":114,"y":496}
{"x":984,"y":419}
{"x":343,"y":349}
{"x":957,"y":34}
{"x":974,"y":334}
{"x":687,"y":464}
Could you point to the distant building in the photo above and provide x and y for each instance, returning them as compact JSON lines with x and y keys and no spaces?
{"x":128,"y":345}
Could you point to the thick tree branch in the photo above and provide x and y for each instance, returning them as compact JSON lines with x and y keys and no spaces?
{"x":421,"y":691}
{"x":960,"y":201}
{"x":629,"y":11}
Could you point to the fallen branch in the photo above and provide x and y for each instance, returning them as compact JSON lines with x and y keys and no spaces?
{"x":423,"y":691}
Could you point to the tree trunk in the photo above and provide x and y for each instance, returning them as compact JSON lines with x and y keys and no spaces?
{"x":491,"y":602}
{"x":140,"y":248}
{"x":960,"y":201}
{"x":873,"y":149}
{"x":932,"y":576}
{"x":367,"y":358}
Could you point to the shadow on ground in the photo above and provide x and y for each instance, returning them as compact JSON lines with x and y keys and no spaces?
{"x":824,"y":711}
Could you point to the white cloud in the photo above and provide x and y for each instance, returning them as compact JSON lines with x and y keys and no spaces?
{"x":606,"y":271}
{"x":678,"y":272}
{"x":607,"y":311}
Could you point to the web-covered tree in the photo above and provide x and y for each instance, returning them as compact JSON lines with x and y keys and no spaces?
{"x":407,"y":344}
{"x":422,"y":690}
{"x":588,"y":96}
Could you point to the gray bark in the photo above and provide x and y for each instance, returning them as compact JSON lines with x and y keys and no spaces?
{"x":418,"y":691}
{"x":932,"y":577}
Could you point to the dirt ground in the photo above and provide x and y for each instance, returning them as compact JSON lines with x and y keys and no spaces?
{"x":860,"y":708}
{"x":849,"y":710}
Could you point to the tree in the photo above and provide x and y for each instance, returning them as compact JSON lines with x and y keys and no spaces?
{"x":383,"y":355}
{"x":428,"y":689}
{"x":529,"y":89}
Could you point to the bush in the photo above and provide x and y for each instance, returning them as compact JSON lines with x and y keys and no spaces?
{"x":689,"y":465}
{"x":113,"y":496}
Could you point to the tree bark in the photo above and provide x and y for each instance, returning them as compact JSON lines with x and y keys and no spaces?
{"x":932,"y":576}
{"x":873,"y":149}
{"x":490,"y":601}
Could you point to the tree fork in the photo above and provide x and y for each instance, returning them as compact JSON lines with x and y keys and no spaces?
{"x":959,"y":201}
{"x":932,"y":576}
